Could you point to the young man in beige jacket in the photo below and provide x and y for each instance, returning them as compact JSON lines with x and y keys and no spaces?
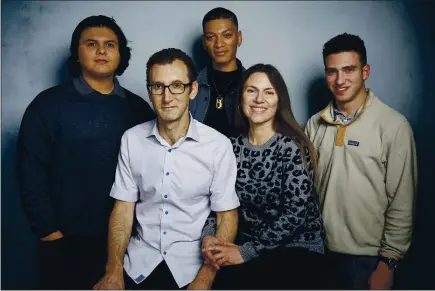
{"x":367,"y":172}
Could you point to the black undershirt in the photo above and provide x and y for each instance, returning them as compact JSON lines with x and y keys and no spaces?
{"x":221,"y":83}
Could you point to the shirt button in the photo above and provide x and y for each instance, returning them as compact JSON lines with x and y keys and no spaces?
{"x":164,"y":253}
{"x":166,"y":212}
{"x":166,"y":196}
{"x":170,"y":150}
{"x":167,"y":173}
{"x":164,"y":232}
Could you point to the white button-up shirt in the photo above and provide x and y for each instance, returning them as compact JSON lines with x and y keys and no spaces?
{"x":174,"y":188}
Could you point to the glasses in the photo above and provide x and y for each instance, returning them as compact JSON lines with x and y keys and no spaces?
{"x":174,"y":88}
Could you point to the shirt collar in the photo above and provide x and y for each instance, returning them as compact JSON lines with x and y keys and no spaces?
{"x":339,"y":115}
{"x":84,"y":89}
{"x":192,"y":131}
{"x":328,"y":114}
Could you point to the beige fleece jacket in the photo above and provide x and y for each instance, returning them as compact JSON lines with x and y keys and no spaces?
{"x":367,"y":178}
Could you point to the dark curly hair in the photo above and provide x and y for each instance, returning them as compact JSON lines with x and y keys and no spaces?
{"x":98,"y":21}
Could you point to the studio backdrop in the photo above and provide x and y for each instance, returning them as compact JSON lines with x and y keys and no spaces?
{"x":399,"y":37}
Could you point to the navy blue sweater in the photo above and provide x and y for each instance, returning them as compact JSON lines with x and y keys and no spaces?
{"x":68,"y":148}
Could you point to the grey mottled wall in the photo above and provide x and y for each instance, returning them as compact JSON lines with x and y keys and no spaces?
{"x":398,"y":35}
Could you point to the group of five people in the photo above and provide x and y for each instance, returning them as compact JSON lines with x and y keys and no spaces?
{"x":219,"y":187}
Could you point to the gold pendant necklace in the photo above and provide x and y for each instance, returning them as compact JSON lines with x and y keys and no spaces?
{"x":219,"y":98}
{"x":219,"y":102}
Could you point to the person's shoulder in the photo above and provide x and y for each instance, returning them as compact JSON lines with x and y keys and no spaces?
{"x":286,"y":142}
{"x":209,"y":134}
{"x":133,"y":97}
{"x":239,"y":63}
{"x":387,"y":115}
{"x":294,"y":149}
{"x":52,"y":96}
{"x":236,"y":140}
{"x":140,"y":105}
{"x":202,"y":76}
{"x":56,"y":91}
{"x":140,"y":129}
{"x":237,"y":144}
{"x":315,"y":118}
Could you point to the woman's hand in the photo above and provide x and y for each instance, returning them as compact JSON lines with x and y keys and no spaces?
{"x":226,"y":254}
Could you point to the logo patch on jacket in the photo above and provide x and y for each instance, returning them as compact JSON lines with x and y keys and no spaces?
{"x":353,"y":143}
{"x":140,"y":278}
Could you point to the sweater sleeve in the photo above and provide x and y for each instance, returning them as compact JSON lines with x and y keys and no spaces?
{"x":401,"y":184}
{"x":34,"y":153}
{"x":209,"y":226}
{"x":296,"y":194}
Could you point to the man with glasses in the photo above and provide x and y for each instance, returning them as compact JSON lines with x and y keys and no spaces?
{"x":172,"y":171}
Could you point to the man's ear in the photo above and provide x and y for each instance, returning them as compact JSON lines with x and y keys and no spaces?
{"x":203,"y":42}
{"x":239,"y":38}
{"x":194,"y":90}
{"x":366,"y":72}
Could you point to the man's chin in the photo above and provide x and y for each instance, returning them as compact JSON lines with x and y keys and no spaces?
{"x":222,"y":61}
{"x":168,"y":118}
{"x":343,"y":97}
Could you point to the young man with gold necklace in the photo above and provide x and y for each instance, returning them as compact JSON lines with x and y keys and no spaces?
{"x":218,"y":82}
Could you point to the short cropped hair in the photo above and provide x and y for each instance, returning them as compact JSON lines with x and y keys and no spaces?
{"x":345,"y":42}
{"x":98,"y":21}
{"x":220,"y":13}
{"x":168,"y":56}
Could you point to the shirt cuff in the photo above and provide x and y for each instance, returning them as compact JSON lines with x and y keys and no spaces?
{"x":120,"y":194}
{"x":226,"y":203}
{"x":248,"y":252}
{"x":390,"y":254}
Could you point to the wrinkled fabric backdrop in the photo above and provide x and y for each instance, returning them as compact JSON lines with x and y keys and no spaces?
{"x":399,"y":36}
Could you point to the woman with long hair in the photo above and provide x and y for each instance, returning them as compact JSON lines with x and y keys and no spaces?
{"x":280,"y":238}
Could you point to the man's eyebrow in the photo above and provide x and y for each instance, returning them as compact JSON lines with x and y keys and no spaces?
{"x":92,"y":39}
{"x":162,"y":83}
{"x":336,"y":69}
{"x":226,"y":30}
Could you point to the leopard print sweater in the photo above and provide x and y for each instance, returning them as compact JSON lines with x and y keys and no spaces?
{"x":276,"y":192}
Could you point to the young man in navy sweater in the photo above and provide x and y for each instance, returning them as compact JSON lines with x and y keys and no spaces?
{"x":67,"y":154}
